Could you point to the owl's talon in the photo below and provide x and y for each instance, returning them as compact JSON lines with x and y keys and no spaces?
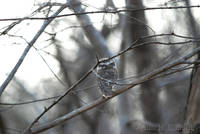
{"x":105,"y":96}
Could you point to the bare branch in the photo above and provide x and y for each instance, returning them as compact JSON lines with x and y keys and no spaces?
{"x":28,"y":130}
{"x":101,"y":12}
{"x":28,"y":102}
{"x":43,"y":127}
{"x":143,"y":78}
{"x":47,"y":98}
{"x":26,"y":50}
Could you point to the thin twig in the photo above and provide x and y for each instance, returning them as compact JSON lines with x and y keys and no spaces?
{"x":76,"y":112}
{"x":132,"y":46}
{"x":26,"y":50}
{"x":28,"y":130}
{"x":45,"y":99}
{"x":135,"y":45}
{"x":101,"y":11}
{"x":28,"y":102}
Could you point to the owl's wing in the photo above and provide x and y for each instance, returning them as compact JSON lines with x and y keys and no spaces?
{"x":114,"y":74}
{"x":109,"y":74}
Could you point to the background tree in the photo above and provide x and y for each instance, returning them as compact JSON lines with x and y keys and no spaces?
{"x":155,"y":47}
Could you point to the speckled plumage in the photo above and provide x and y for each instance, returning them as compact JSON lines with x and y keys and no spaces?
{"x":107,"y":75}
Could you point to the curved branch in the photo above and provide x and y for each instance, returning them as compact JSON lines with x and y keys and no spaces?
{"x":26,"y":50}
{"x":102,"y":12}
{"x":76,"y":112}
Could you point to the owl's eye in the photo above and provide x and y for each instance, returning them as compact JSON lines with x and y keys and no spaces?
{"x":112,"y":63}
{"x":103,"y":66}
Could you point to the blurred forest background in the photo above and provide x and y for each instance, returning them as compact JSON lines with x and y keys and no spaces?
{"x":58,"y":42}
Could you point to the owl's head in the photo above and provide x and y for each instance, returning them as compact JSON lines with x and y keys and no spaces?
{"x":106,"y":64}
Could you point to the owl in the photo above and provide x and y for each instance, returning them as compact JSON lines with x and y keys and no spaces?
{"x":106,"y":76}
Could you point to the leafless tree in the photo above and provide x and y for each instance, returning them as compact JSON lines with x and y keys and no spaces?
{"x":154,"y":47}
